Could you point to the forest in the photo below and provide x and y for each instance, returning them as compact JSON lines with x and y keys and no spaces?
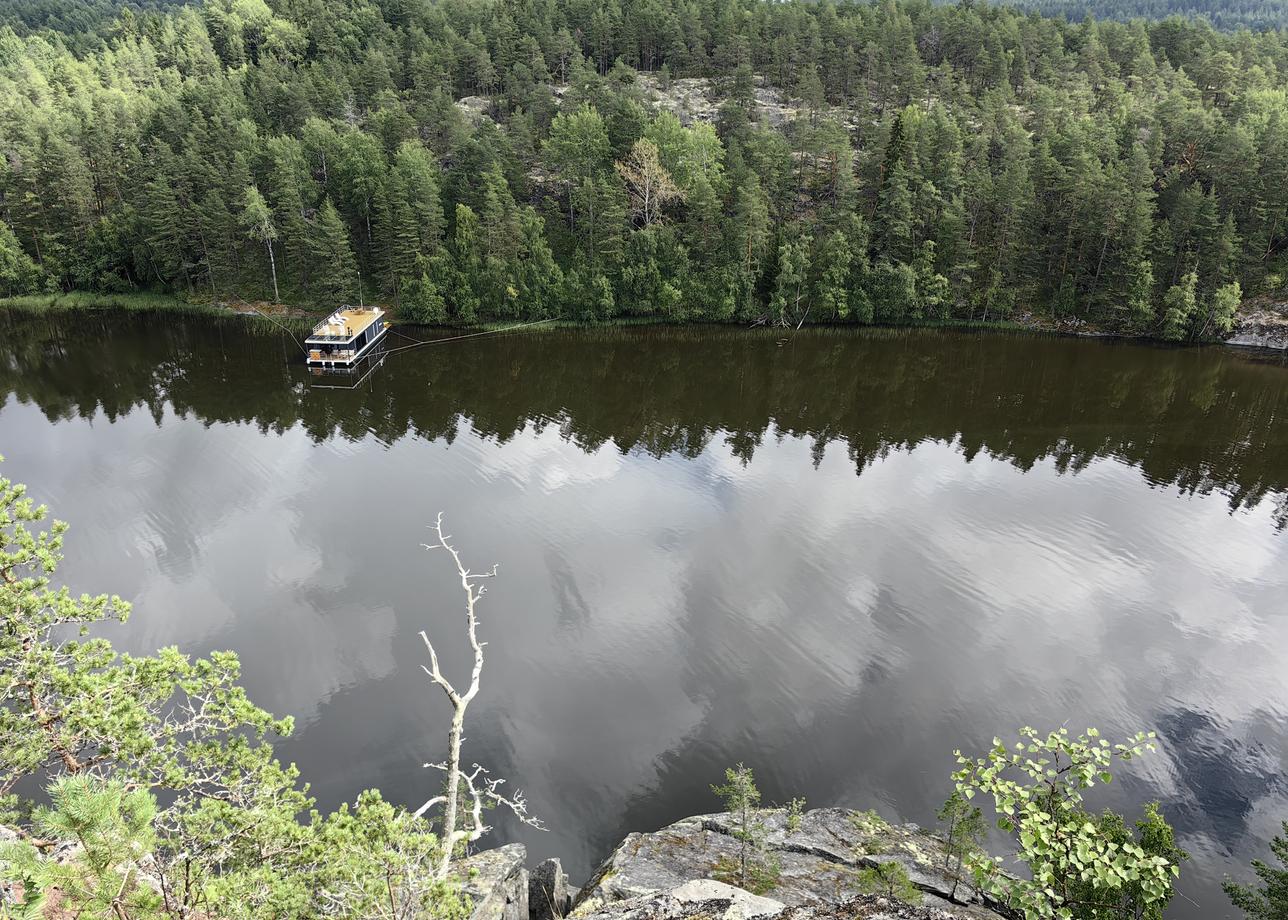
{"x":1228,"y":15}
{"x":467,"y":161}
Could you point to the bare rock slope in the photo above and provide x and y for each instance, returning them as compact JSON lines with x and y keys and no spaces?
{"x":819,"y":862}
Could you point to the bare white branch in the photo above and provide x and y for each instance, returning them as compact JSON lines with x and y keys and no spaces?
{"x":462,"y":823}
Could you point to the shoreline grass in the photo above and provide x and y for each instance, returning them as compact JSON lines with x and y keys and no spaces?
{"x":298,"y":318}
{"x":86,"y":300}
{"x":142,"y":301}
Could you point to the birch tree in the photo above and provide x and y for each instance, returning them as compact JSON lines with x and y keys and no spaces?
{"x":257,"y":218}
{"x":650,"y":185}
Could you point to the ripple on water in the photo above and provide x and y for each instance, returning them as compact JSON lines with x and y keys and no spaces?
{"x":711,"y":549}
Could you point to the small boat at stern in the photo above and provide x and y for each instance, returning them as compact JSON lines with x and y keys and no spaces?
{"x":346,"y":336}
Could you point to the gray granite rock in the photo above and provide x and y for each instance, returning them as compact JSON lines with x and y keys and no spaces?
{"x":1263,"y":326}
{"x":871,"y":907}
{"x":496,"y":882}
{"x":819,"y":860}
{"x":548,"y":897}
{"x":700,"y":898}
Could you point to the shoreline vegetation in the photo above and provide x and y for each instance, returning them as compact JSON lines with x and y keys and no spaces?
{"x":300,"y":318}
{"x":775,"y":163}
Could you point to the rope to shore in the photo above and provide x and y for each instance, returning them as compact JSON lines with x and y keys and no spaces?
{"x":282,"y":327}
{"x":417,"y":343}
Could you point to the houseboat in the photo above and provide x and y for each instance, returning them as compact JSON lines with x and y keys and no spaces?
{"x":346,"y":336}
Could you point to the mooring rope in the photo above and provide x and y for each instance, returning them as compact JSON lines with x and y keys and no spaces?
{"x":417,"y":343}
{"x":280,"y":326}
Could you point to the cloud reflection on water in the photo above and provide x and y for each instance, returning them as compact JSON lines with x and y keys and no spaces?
{"x":663,"y":613}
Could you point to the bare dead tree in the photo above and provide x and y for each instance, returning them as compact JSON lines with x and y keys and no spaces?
{"x":479,"y":787}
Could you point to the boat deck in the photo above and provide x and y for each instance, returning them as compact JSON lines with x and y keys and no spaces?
{"x":344,"y":324}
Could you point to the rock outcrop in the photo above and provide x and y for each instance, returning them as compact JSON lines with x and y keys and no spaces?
{"x":1263,"y":327}
{"x":868,"y":907}
{"x":700,"y":898}
{"x":716,"y":901}
{"x":817,"y":862}
{"x":496,"y":882}
{"x":694,"y":99}
{"x":548,"y":896}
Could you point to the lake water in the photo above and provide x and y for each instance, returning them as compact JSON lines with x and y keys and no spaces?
{"x":836,"y":558}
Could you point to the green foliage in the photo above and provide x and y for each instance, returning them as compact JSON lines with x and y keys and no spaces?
{"x":335,"y":272}
{"x":422,"y":302}
{"x":868,"y":823}
{"x":18,"y":273}
{"x":760,"y":876}
{"x":795,"y":809}
{"x":872,"y":827}
{"x":1223,"y":306}
{"x":964,"y":829}
{"x":111,"y":830}
{"x":741,"y":799}
{"x":1140,"y":293}
{"x":237,"y":836}
{"x":1228,"y":16}
{"x":890,"y":879}
{"x":1021,"y":165}
{"x":1155,"y":839}
{"x":386,"y":852}
{"x":1077,"y":866}
{"x":1269,"y":900}
{"x":1179,"y":307}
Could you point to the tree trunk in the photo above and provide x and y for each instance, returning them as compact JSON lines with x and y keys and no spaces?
{"x":452,"y":793}
{"x":272,"y":267}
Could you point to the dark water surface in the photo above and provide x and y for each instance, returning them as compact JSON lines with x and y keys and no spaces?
{"x":836,"y":560}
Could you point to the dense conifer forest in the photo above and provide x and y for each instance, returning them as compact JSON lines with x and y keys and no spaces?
{"x":1228,"y":15}
{"x":469,"y":160}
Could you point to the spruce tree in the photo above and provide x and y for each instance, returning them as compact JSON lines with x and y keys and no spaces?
{"x":334,"y":266}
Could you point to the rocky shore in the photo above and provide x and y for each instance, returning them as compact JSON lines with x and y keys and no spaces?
{"x":1266,"y":326}
{"x":667,"y":875}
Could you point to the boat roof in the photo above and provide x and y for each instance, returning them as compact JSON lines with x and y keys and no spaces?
{"x":346,"y":322}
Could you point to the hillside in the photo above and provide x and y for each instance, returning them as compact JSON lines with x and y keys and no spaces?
{"x":890,"y":163}
{"x":83,"y":23}
{"x":1224,"y":15}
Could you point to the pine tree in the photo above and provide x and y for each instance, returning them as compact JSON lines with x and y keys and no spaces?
{"x":468,"y":259}
{"x":112,"y":829}
{"x":416,"y":224}
{"x":751,"y":234}
{"x":334,"y":266}
{"x":164,"y":220}
{"x":1222,"y":308}
{"x":292,"y":192}
{"x":1270,"y":901}
{"x":741,"y":799}
{"x":896,"y":220}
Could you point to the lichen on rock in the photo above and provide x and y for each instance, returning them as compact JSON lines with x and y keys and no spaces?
{"x":819,"y":861}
